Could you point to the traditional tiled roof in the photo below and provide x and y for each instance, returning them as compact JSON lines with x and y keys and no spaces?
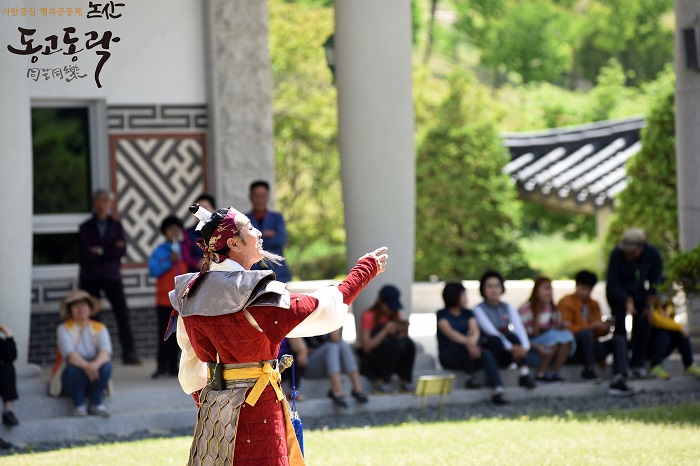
{"x":578,"y":168}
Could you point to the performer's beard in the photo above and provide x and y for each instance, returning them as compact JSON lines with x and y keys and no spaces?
{"x":271,"y":257}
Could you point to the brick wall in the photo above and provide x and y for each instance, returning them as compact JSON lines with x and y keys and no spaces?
{"x":42,"y":341}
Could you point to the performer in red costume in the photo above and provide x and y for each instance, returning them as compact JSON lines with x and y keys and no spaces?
{"x":230,"y":325}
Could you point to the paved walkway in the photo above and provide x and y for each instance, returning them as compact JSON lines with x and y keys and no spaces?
{"x":159,"y":407}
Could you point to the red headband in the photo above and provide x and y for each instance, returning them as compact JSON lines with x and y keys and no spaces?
{"x":226,"y":229}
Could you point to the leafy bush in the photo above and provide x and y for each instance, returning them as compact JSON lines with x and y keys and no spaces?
{"x":466,"y":212}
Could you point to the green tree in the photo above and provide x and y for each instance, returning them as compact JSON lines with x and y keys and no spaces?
{"x":649,"y":201}
{"x":528,"y":37}
{"x":637,"y":33}
{"x":308,"y":186}
{"x":466,"y":212}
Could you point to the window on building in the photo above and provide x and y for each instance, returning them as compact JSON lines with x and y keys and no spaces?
{"x":69,"y":162}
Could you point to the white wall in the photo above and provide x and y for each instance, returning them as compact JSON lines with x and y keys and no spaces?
{"x":159,"y":59}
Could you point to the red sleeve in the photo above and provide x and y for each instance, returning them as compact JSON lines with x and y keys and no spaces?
{"x":367,"y":321}
{"x":277,"y":322}
{"x":360,"y":275}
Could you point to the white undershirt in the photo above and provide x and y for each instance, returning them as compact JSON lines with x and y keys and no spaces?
{"x":328,"y":316}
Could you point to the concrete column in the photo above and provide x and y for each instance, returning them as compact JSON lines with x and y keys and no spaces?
{"x":15,"y":190}
{"x":375,"y":125}
{"x":688,"y":145}
{"x":239,"y":89}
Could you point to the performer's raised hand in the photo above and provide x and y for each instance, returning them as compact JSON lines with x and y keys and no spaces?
{"x":381,"y":257}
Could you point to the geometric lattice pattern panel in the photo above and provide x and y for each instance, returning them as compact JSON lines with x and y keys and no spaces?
{"x":155,"y":176}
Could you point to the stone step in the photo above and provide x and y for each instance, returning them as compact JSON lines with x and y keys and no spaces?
{"x":140,"y":403}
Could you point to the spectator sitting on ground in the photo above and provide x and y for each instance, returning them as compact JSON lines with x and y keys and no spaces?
{"x":549,"y":340}
{"x":191,"y":253}
{"x":385,"y":348}
{"x":458,"y":341}
{"x":83,"y":355}
{"x":581,"y":315}
{"x":495,"y":318}
{"x":296,"y":347}
{"x":667,"y":335}
{"x":8,"y":377}
{"x":165,"y":264}
{"x":329,"y":356}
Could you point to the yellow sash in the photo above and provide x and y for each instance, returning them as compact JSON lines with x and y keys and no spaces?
{"x":267,"y":375}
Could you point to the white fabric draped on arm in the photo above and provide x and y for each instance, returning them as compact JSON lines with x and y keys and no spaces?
{"x":193,"y":372}
{"x":329,"y":315}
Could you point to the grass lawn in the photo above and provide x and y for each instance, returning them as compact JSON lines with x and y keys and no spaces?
{"x":660,"y":435}
{"x":560,"y":258}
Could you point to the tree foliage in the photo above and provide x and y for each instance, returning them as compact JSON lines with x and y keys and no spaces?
{"x":649,"y":201}
{"x":308,"y":186}
{"x":637,"y":33}
{"x":528,"y":37}
{"x":466,"y":212}
{"x":552,"y":40}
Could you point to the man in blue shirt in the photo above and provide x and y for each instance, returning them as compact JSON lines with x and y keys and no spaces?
{"x":271,"y":224}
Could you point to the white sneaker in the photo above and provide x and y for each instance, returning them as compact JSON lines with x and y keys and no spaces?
{"x":99,"y":410}
{"x":80,"y":411}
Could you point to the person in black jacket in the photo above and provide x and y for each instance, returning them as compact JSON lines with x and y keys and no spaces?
{"x":634,"y":271}
{"x":102,"y":246}
{"x":8,"y":377}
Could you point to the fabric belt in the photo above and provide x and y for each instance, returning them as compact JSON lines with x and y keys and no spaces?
{"x":267,"y":374}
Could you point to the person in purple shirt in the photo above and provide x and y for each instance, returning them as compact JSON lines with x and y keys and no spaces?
{"x":271,"y":224}
{"x":102,"y":245}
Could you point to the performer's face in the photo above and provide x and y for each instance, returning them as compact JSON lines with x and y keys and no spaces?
{"x":250,"y":244}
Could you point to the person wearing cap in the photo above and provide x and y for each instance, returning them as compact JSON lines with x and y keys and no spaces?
{"x":102,"y":244}
{"x":82,"y":368}
{"x":384,"y":343}
{"x":272,"y":226}
{"x":634,"y":271}
{"x":230,"y":321}
{"x":165,"y":264}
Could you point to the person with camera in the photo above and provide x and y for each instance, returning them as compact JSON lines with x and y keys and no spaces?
{"x":385,"y":348}
{"x":581,"y":315}
{"x":167,"y":262}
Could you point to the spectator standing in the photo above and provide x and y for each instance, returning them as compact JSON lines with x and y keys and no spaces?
{"x":459,"y":341}
{"x":581,"y":315}
{"x":272,"y":226}
{"x":82,"y":366}
{"x":191,"y":253}
{"x":634,"y":271}
{"x":330,"y":356}
{"x":384,"y":343}
{"x":165,"y":264}
{"x":8,"y":376}
{"x":102,"y":246}
{"x":667,"y":335}
{"x":549,"y":340}
{"x":500,"y":323}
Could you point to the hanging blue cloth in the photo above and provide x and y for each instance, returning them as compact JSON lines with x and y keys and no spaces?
{"x":296,"y":420}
